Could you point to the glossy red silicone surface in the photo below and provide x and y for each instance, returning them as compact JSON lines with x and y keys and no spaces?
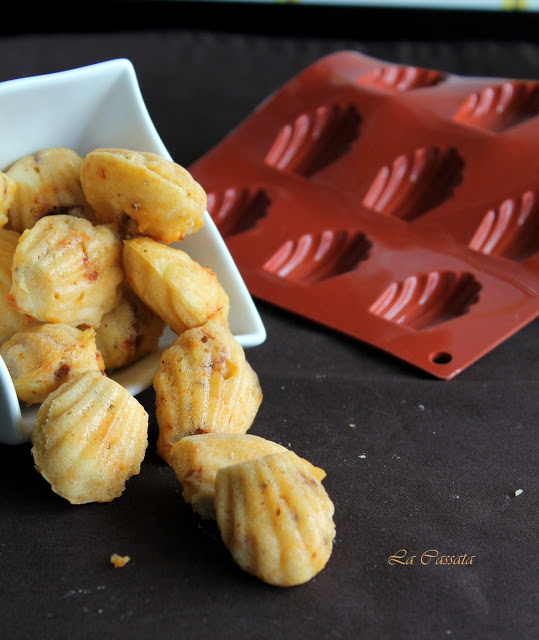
{"x":396,"y":204}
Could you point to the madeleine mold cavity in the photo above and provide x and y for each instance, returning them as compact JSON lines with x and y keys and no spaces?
{"x":396,"y":204}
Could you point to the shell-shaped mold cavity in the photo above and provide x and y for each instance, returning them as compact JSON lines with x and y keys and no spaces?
{"x":400,"y":78}
{"x":422,"y":301}
{"x":275,"y":518}
{"x":315,"y":139}
{"x":235,"y":210}
{"x":511,"y":230}
{"x":415,"y":182}
{"x":500,"y":107}
{"x":313,"y":258}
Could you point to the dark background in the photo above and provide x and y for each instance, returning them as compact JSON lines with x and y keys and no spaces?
{"x":442,"y":459}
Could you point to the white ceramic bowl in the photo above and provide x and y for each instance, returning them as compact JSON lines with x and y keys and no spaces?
{"x":101,"y":106}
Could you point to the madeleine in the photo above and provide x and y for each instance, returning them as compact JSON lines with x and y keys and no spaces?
{"x":48,"y":182}
{"x":8,"y":188}
{"x":197,"y":459}
{"x":43,"y":357}
{"x":176,"y":287}
{"x":275,"y":518}
{"x":204,"y":384}
{"x":11,"y":319}
{"x":90,"y":437}
{"x":65,"y":269}
{"x":128,"y":332}
{"x":144,"y":193}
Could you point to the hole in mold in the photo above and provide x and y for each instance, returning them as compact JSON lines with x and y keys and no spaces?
{"x":425,"y":300}
{"x":236,"y":210}
{"x":400,"y":78}
{"x":313,"y":258}
{"x":315,"y":139}
{"x":415,"y":182}
{"x":510,"y":230}
{"x":500,"y":107}
{"x":442,"y":357}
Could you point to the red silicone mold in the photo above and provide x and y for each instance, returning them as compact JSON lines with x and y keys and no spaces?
{"x":396,"y":204}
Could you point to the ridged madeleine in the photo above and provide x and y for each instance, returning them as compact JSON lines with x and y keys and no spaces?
{"x":48,"y":182}
{"x":11,"y":319}
{"x":65,"y":269}
{"x":204,"y":384}
{"x":128,"y":332}
{"x":178,"y":289}
{"x":197,"y":459}
{"x":43,"y":357}
{"x":144,"y":193}
{"x":275,"y":518}
{"x":90,"y":437}
{"x":8,"y":188}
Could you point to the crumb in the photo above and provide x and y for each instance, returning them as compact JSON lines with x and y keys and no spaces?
{"x":119,"y":561}
{"x":518,"y":492}
{"x":362,"y":456}
{"x":351,"y":425}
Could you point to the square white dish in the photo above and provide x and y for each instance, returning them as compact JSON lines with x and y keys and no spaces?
{"x":101,"y":105}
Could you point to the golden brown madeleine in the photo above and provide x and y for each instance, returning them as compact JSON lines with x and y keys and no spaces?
{"x":128,"y":332}
{"x":48,"y":182}
{"x":65,"y":269}
{"x":8,"y":188}
{"x":275,"y":518}
{"x":90,"y":437}
{"x":197,"y":459}
{"x":176,"y":287}
{"x":43,"y":357}
{"x":144,"y":193}
{"x":11,"y":319}
{"x":204,"y":384}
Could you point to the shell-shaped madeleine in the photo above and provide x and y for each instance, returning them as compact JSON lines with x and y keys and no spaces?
{"x":275,"y":518}
{"x":8,"y":188}
{"x":204,"y":384}
{"x":157,"y":197}
{"x":65,"y":269}
{"x":197,"y":459}
{"x":177,"y":288}
{"x":90,"y":437}
{"x":48,"y":182}
{"x":11,"y":319}
{"x":43,"y":357}
{"x":128,"y":332}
